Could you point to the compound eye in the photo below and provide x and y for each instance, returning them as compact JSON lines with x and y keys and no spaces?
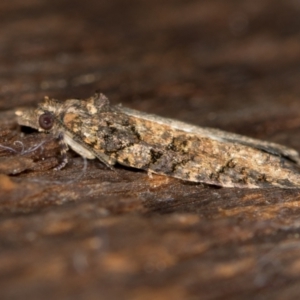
{"x":46,"y":121}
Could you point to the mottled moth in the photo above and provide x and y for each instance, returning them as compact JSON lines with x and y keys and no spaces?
{"x":115,"y":134}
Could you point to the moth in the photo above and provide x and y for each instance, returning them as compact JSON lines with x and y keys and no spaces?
{"x":115,"y":134}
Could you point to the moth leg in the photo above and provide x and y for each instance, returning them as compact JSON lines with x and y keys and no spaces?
{"x":83,"y":149}
{"x":149,"y":173}
{"x":63,"y":151}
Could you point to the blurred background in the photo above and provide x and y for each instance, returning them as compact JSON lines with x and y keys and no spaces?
{"x":208,"y":62}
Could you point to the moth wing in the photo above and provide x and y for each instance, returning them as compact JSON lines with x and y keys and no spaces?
{"x":219,"y":135}
{"x":269,"y":147}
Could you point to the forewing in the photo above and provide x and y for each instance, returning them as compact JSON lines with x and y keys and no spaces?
{"x":220,"y":135}
{"x":207,"y":155}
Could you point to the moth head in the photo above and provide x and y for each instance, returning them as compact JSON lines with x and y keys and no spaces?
{"x":42,"y":118}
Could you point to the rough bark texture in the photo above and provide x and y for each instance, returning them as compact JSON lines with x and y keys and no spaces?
{"x":94,"y":233}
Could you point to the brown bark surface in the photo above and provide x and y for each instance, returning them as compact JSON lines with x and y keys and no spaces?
{"x":93,"y":233}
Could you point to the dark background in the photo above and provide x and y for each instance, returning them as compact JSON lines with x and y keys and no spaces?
{"x":101,"y":234}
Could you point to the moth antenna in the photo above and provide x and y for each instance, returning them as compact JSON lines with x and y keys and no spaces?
{"x":33,"y":148}
{"x":20,"y":143}
{"x":8,"y":148}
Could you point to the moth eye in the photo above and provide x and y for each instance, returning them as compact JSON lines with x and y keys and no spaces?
{"x":46,"y":120}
